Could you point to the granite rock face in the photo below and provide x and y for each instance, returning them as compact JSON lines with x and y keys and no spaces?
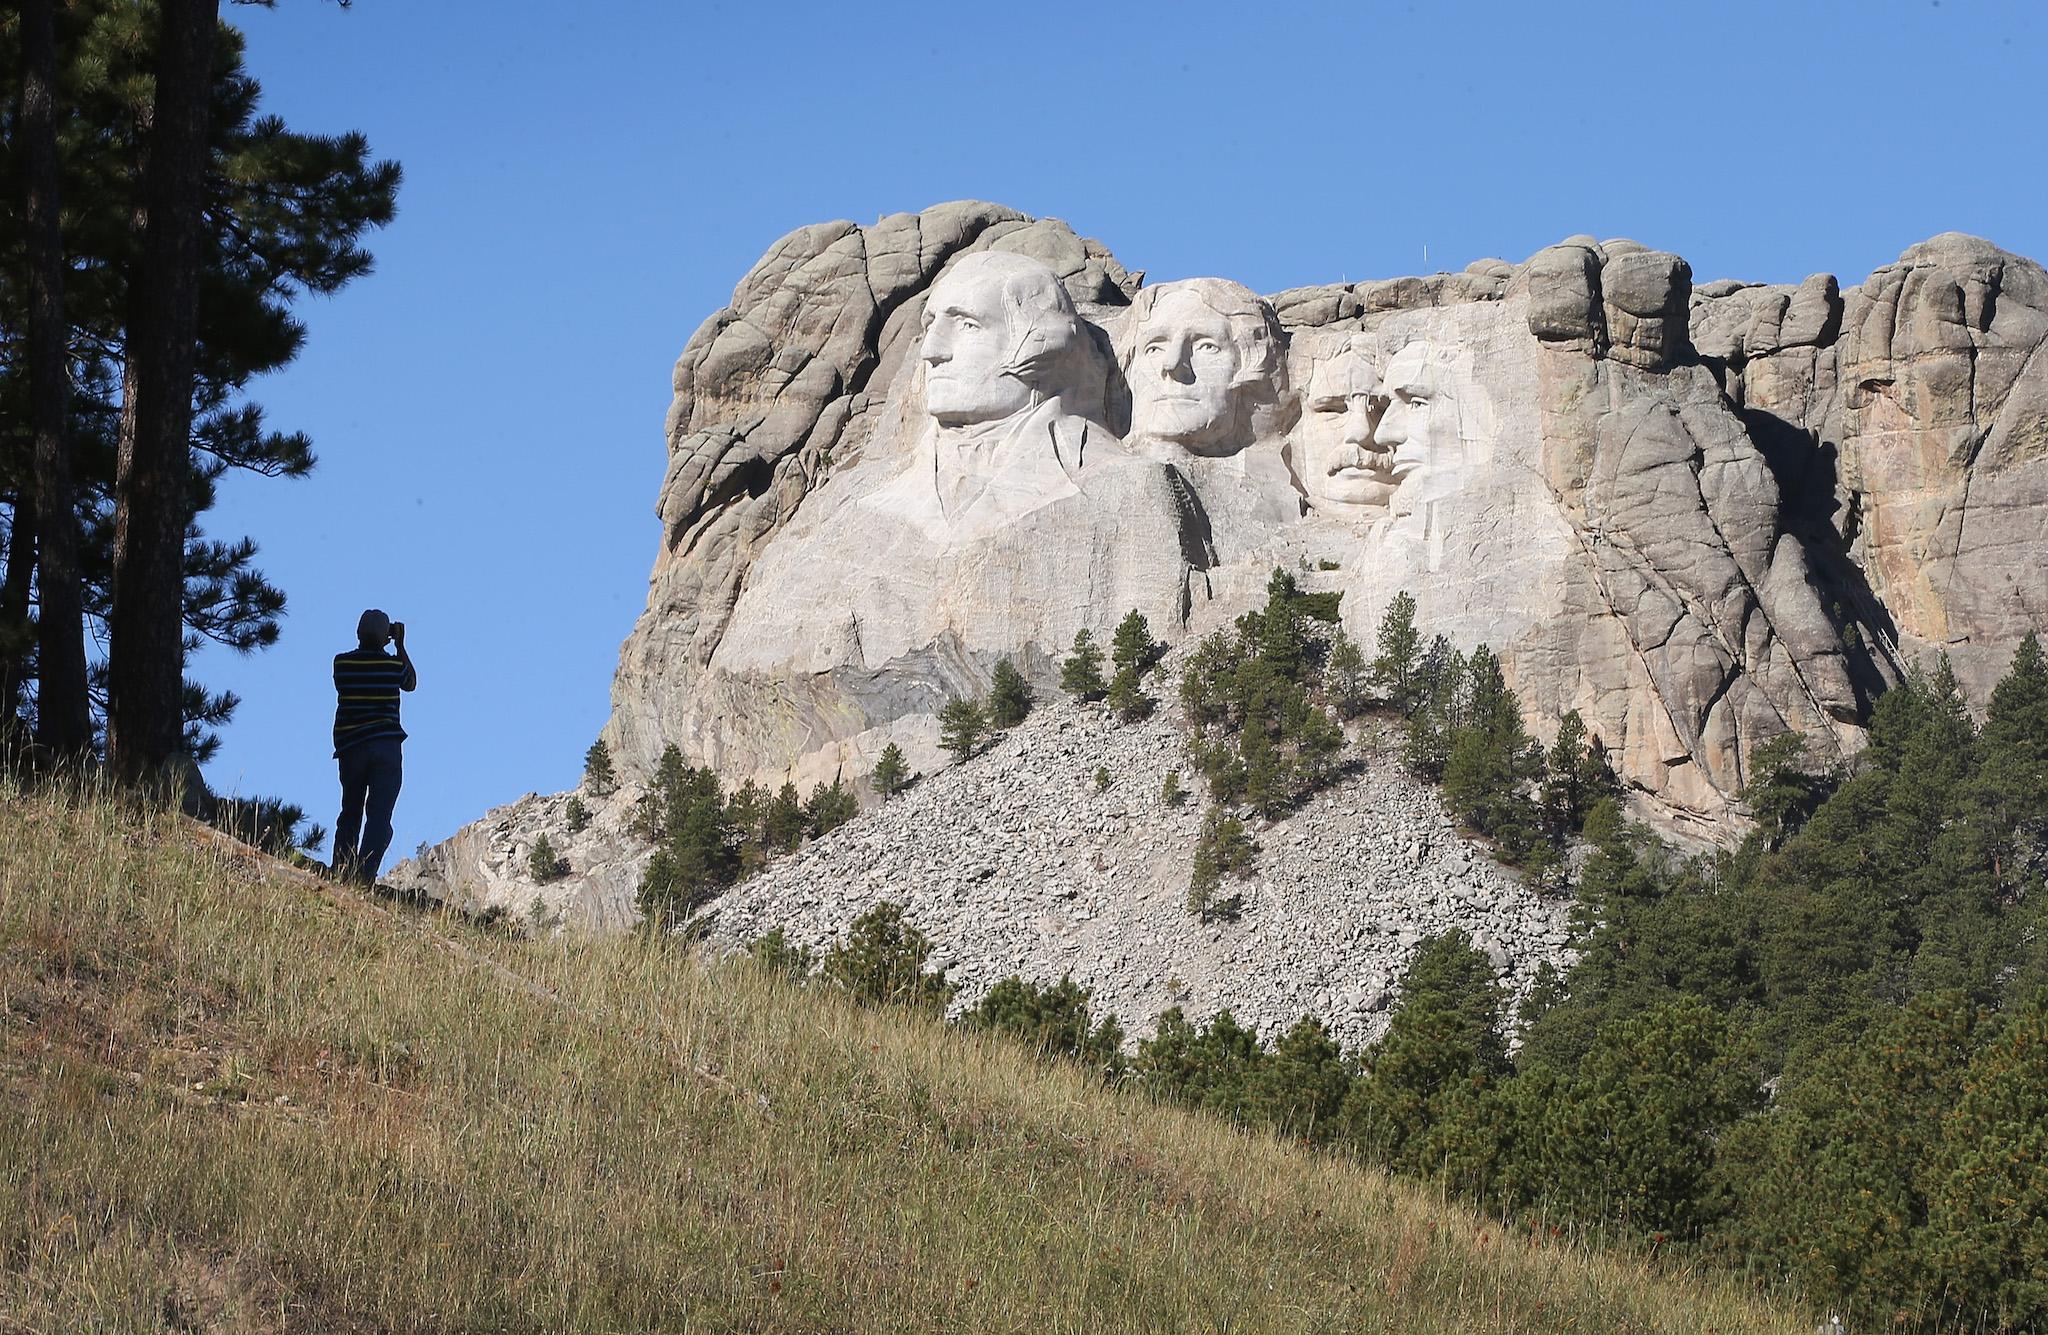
{"x":1699,"y":513}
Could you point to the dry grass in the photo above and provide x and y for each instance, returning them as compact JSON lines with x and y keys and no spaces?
{"x":230,"y":1099}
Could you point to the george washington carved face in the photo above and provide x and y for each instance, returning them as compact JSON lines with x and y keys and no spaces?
{"x":1000,"y":334}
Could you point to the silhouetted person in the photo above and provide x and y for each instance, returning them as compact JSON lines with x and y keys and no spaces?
{"x":367,"y":739}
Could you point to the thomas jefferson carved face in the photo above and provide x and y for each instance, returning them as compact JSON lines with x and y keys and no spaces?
{"x":998,"y":330}
{"x":1342,"y":468}
{"x":1202,"y":354}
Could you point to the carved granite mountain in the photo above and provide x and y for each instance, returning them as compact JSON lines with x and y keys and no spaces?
{"x":1699,"y":515}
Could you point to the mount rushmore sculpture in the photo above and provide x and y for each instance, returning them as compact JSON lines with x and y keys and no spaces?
{"x":1700,"y":515}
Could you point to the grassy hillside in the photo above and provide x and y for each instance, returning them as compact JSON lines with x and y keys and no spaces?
{"x":232,"y":1098}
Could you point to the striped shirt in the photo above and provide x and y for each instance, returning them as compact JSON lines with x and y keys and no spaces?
{"x":366,"y":687}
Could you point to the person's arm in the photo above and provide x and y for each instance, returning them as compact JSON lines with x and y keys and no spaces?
{"x":411,"y":680}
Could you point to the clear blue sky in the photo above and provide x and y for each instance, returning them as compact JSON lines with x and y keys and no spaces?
{"x":586,"y":183}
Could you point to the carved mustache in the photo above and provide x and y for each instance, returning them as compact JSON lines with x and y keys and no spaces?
{"x":1352,"y":456}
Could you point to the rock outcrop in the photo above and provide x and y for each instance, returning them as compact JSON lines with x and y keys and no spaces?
{"x":1700,"y":514}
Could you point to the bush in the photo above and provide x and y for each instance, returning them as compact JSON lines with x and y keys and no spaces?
{"x":1053,"y":1020}
{"x":542,"y":864}
{"x":1206,"y":1068}
{"x":1103,"y":779}
{"x":1170,"y":791}
{"x":882,"y":960}
{"x":774,"y":952}
{"x":1009,"y":696}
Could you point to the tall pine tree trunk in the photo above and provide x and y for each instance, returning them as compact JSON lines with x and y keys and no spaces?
{"x":63,"y":722}
{"x":145,"y":670}
{"x":15,"y":637}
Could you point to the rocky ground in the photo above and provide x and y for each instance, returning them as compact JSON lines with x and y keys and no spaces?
{"x":1017,"y":862}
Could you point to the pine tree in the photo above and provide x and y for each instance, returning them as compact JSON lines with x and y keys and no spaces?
{"x":1298,"y":1088}
{"x":744,"y":811}
{"x":1206,"y":682}
{"x":1575,"y":776}
{"x":1210,"y":1068}
{"x":1347,"y":680}
{"x":891,"y":773}
{"x":1131,"y":649}
{"x":170,"y":182}
{"x":576,"y":815}
{"x":1318,"y":742}
{"x":829,"y":807}
{"x":1444,"y":1032}
{"x":597,"y":769}
{"x":1400,"y":656}
{"x":542,"y":863}
{"x":1437,"y":711}
{"x":1009,"y":696}
{"x":701,"y":838}
{"x":1781,"y":793}
{"x":63,"y":719}
{"x":1170,"y":792}
{"x":1989,"y":1194}
{"x":1281,"y":640}
{"x":782,"y":824}
{"x":1081,"y":673}
{"x":1491,"y":757}
{"x":2011,"y":791}
{"x":962,"y":724}
{"x":1127,"y":699}
{"x":1223,"y":848}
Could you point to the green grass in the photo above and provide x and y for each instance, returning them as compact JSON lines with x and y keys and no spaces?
{"x":231,"y":1098}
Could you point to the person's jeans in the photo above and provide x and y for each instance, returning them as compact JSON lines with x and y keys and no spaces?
{"x":371,"y":773}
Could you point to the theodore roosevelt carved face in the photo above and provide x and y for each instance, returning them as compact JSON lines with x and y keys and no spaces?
{"x":1000,"y":335}
{"x":1342,"y":468}
{"x":1201,"y":355}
